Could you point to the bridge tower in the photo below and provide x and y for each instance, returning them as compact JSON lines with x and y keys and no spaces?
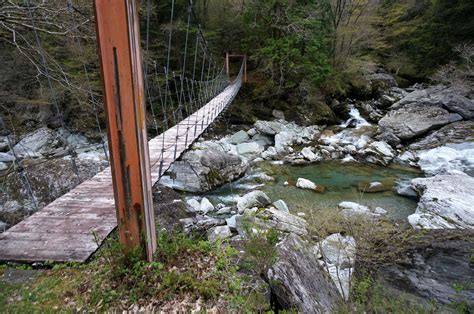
{"x":118,"y":38}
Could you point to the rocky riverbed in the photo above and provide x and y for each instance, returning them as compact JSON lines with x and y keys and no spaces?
{"x":406,"y":157}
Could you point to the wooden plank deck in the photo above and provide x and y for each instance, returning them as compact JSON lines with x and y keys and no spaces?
{"x":72,"y":227}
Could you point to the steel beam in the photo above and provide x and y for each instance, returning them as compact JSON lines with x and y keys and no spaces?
{"x":122,"y":78}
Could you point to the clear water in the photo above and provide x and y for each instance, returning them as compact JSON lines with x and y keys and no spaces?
{"x":339,"y":179}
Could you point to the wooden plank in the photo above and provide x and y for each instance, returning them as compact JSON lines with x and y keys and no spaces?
{"x":63,"y":230}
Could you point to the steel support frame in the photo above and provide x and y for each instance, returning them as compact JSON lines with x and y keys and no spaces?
{"x":228,"y":56}
{"x":118,"y":39}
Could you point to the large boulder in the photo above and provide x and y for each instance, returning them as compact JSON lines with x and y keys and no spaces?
{"x":250,"y":149}
{"x":269,"y":127}
{"x":378,"y":153}
{"x":309,"y":154}
{"x":306,"y":184}
{"x":41,"y":142}
{"x":457,"y":132}
{"x":412,"y":121}
{"x":284,"y":140}
{"x":298,"y":282}
{"x":446,"y":202}
{"x":48,"y":179}
{"x":202,"y":170}
{"x":239,"y":137}
{"x":338,"y":253}
{"x":440,"y":96}
{"x":272,"y":218}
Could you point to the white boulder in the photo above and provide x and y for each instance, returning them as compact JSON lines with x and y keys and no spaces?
{"x":338,"y":254}
{"x":239,"y":137}
{"x":306,"y":184}
{"x":308,"y":154}
{"x":446,"y":202}
{"x":206,"y":206}
{"x":194,"y":204}
{"x":253,"y":199}
{"x":251,"y":148}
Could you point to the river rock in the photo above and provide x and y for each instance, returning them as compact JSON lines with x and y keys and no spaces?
{"x":281,"y":205}
{"x":299,"y":283}
{"x":441,"y":96}
{"x":252,"y":132}
{"x":269,"y":127}
{"x":405,"y":189}
{"x":219,"y":233}
{"x":3,"y":226}
{"x":239,"y":137}
{"x":381,"y":80}
{"x":454,"y":133}
{"x":200,"y":223}
{"x":372,"y":187}
{"x":41,"y":142}
{"x":250,"y":148}
{"x":446,"y":202}
{"x":408,"y":158}
{"x":270,"y":153}
{"x":263,"y":140}
{"x":232,"y":221}
{"x":283,"y":141}
{"x":4,"y":145}
{"x":5,"y":157}
{"x":206,"y":206}
{"x":253,"y":199}
{"x":49,"y":179}
{"x":378,"y":153}
{"x":309,"y":155}
{"x":194,"y":204}
{"x":272,"y":218}
{"x":306,"y":184}
{"x":202,"y":170}
{"x":226,"y":210}
{"x":338,"y":254}
{"x":412,"y":121}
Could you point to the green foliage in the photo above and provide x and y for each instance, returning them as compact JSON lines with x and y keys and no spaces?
{"x":369,"y":296}
{"x":420,"y":35}
{"x":184,"y":269}
{"x":259,"y":245}
{"x":288,"y":39}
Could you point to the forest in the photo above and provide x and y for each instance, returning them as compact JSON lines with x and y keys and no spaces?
{"x":334,"y":175}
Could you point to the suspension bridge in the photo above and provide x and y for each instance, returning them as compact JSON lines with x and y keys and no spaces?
{"x":72,"y":227}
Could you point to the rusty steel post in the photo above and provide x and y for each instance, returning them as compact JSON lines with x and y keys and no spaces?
{"x":122,"y":78}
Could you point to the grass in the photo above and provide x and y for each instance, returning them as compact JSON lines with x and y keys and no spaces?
{"x":369,"y":296}
{"x":185,"y":271}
